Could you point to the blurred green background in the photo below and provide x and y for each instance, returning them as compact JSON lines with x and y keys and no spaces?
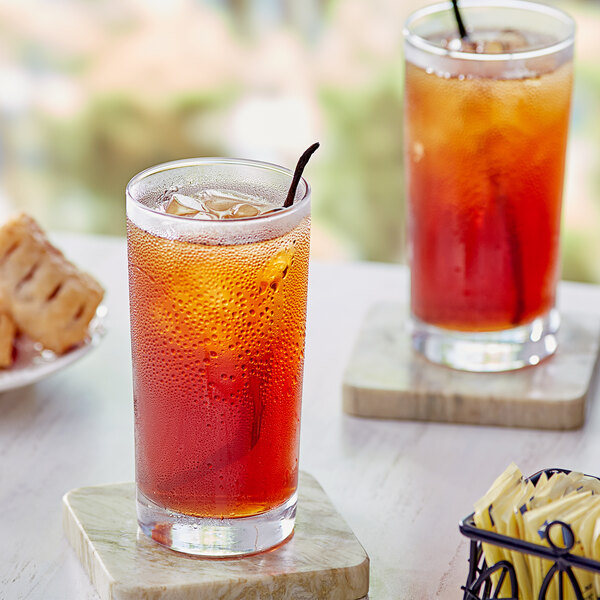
{"x":93,"y":91}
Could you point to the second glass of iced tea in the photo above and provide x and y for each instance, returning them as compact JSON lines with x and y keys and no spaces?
{"x":486,"y":122}
{"x":218,"y":283}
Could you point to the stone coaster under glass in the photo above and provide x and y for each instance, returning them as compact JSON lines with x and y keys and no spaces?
{"x":385,"y":378}
{"x":323,"y":559}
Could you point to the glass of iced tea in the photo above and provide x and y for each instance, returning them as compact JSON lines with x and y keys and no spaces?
{"x":486,"y":122}
{"x":218,"y":281}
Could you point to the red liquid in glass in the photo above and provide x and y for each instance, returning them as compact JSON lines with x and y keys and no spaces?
{"x":485,"y":169}
{"x":218,"y":350}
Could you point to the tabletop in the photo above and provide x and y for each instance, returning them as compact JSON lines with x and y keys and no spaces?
{"x":401,"y":486}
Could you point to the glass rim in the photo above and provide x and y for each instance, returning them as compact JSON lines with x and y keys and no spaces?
{"x":218,"y":160}
{"x":424,"y":45}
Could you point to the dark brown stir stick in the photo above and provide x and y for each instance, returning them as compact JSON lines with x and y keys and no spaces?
{"x":506,"y":211}
{"x":302,"y":162}
{"x":462,"y":30}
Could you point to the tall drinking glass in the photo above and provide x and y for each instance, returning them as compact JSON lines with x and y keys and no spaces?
{"x":218,"y":310}
{"x":486,"y":122}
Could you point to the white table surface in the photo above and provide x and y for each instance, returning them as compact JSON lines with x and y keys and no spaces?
{"x":401,"y":486}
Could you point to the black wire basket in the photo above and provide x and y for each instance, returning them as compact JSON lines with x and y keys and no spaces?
{"x":480,"y":583}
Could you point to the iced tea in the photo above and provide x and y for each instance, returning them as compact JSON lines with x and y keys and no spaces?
{"x":485,"y":189}
{"x":486,"y":123}
{"x":218,"y":309}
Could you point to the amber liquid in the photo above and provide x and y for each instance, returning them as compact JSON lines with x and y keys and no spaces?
{"x":218,"y":351}
{"x":485,"y":162}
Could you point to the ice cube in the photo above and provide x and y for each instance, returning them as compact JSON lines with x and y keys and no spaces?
{"x":176,"y":207}
{"x":219,"y":204}
{"x":216,"y":204}
{"x":275,"y":270}
{"x":490,"y":47}
{"x":195,"y":202}
{"x":511,"y":40}
{"x":245,"y":210}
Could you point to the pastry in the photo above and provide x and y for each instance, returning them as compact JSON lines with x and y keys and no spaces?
{"x":8,"y":332}
{"x":48,"y":298}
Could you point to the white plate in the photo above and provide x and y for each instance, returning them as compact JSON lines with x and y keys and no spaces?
{"x":34,"y":363}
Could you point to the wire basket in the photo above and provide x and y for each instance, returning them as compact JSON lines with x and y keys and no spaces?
{"x":480,"y":583}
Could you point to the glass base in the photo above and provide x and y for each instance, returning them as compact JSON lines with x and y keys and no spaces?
{"x":490,"y":351}
{"x":216,"y":538}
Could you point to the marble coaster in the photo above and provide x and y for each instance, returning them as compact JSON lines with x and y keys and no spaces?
{"x":322,"y":560}
{"x":385,"y":378}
